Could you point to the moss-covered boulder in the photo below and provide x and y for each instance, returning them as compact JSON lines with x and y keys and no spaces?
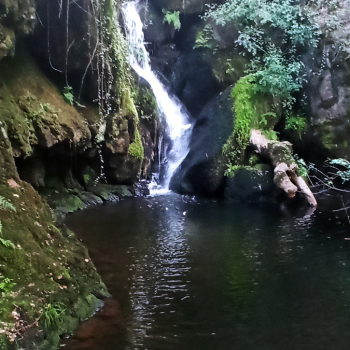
{"x":251,"y":184}
{"x":47,"y":280}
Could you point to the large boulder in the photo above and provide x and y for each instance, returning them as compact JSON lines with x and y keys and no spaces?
{"x":202,"y":171}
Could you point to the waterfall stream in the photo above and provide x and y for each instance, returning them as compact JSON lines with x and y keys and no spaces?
{"x":169,"y":107}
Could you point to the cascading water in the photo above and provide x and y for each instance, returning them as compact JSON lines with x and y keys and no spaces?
{"x":170,"y":108}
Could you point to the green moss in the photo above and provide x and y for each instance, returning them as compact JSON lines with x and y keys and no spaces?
{"x":86,"y":178}
{"x":146,"y":103}
{"x":135,"y":148}
{"x":252,"y":110}
{"x":244,"y":109}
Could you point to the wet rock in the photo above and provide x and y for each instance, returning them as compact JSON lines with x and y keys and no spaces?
{"x":251,"y":184}
{"x":202,"y":171}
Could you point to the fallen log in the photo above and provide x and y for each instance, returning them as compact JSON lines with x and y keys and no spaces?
{"x":284,"y":164}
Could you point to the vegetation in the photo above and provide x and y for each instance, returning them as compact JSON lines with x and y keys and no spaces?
{"x":52,"y":314}
{"x":172,"y":18}
{"x":135,"y":148}
{"x":270,"y":33}
{"x":68,"y":94}
{"x":295,"y":123}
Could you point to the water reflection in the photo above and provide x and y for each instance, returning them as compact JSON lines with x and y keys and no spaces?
{"x":158,"y":274}
{"x":208,"y":275}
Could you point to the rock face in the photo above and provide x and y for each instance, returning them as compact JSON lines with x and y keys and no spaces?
{"x":43,"y":264}
{"x":17,"y":18}
{"x":184,"y":6}
{"x":328,"y":88}
{"x":202,"y":171}
{"x":329,"y":97}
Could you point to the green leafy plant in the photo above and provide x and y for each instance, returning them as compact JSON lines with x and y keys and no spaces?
{"x":68,"y":95}
{"x":172,"y":18}
{"x":204,"y":38}
{"x":6,"y":284}
{"x":52,"y":314}
{"x":5,"y":204}
{"x":269,"y":31}
{"x":295,"y":123}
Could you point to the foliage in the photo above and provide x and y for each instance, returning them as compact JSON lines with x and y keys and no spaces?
{"x":295,"y":123}
{"x":276,"y":75}
{"x":172,"y":18}
{"x":68,"y":95}
{"x":260,"y":22}
{"x":6,"y":284}
{"x":270,"y":134}
{"x":205,"y":39}
{"x":344,"y":174}
{"x":5,"y":204}
{"x":51,"y":314}
{"x":269,"y":31}
{"x":135,"y":148}
{"x":302,"y":170}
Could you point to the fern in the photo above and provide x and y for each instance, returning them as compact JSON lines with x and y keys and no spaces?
{"x":6,"y":205}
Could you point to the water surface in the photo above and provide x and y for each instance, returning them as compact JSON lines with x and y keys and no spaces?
{"x":206,"y":275}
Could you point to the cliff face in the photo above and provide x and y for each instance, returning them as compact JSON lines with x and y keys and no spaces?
{"x":68,"y":124}
{"x":328,"y":87}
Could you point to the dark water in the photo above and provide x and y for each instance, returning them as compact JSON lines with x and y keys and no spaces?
{"x":208,"y":275}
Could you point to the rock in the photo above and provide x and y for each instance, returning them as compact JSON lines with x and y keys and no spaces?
{"x":202,"y":171}
{"x":251,"y":184}
{"x":184,"y":6}
{"x":7,"y":42}
{"x":328,"y":87}
{"x":193,"y":80}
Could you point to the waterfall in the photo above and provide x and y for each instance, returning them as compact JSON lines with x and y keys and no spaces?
{"x":169,"y":107}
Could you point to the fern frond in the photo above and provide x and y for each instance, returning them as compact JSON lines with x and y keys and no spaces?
{"x":5,"y":204}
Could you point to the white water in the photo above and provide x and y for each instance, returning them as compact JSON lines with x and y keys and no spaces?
{"x":170,"y":108}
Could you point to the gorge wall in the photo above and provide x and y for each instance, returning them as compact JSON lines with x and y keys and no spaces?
{"x":78,"y":127}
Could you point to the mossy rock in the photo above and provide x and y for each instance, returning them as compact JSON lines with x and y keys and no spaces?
{"x":251,"y":184}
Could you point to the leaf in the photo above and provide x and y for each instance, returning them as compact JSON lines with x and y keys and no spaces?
{"x":5,"y":204}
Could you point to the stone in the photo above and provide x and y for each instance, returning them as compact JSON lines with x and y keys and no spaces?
{"x":202,"y":171}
